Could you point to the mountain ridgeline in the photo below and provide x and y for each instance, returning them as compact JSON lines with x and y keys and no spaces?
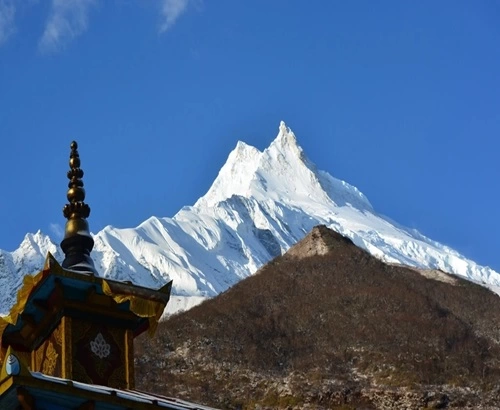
{"x":260,"y":204}
{"x":328,"y":326}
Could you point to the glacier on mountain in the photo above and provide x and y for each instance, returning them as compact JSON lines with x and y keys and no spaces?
{"x":260,"y":204}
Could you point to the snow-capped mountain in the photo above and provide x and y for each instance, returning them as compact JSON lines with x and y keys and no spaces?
{"x":259,"y":205}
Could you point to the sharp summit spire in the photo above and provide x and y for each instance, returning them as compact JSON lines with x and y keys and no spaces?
{"x":77,"y":243}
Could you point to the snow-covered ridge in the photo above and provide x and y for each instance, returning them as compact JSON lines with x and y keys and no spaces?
{"x":260,"y":204}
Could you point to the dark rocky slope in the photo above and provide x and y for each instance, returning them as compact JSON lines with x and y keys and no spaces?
{"x":329,"y":326}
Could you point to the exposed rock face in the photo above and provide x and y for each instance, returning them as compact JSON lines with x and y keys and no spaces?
{"x":329,"y":326}
{"x":320,"y":241}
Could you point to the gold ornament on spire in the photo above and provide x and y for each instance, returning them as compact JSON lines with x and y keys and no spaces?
{"x":76,"y":208}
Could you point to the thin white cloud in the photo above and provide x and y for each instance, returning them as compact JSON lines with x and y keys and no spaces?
{"x":170,"y":11}
{"x":7,"y":13}
{"x":67,"y":20}
{"x":57,"y":230}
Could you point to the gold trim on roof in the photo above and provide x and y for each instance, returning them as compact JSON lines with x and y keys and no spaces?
{"x":150,"y":309}
{"x":29,"y":282}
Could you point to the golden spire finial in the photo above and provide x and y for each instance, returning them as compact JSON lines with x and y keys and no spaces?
{"x":77,"y":243}
{"x":76,"y":194}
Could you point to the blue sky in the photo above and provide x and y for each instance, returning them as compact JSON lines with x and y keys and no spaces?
{"x":399,"y":98}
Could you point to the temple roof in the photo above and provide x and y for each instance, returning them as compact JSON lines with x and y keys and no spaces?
{"x":140,"y":306}
{"x":55,"y":392}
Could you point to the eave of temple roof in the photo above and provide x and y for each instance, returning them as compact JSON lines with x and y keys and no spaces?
{"x":54,"y":392}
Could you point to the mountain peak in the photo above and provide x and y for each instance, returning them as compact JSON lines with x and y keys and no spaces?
{"x":37,"y":240}
{"x":242,"y":151}
{"x":283,"y":128}
{"x":286,"y":139}
{"x":235,"y":175}
{"x":282,"y":172}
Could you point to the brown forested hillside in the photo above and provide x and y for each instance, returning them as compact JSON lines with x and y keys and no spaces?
{"x":329,"y":326}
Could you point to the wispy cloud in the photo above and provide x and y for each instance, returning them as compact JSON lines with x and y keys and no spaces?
{"x":57,"y":230}
{"x":67,"y":20}
{"x":7,"y":13}
{"x":171,"y":10}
